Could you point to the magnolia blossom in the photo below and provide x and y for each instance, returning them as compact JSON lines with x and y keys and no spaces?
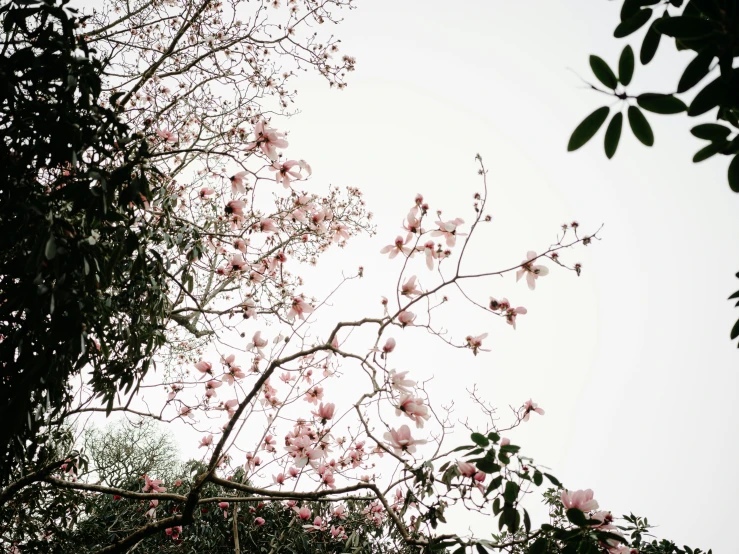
{"x":400,"y":383}
{"x":257,"y":343}
{"x":167,"y":136}
{"x":414,"y":408}
{"x":298,"y":308}
{"x":409,"y":287}
{"x":325,"y":412}
{"x":402,"y":441}
{"x":304,"y":512}
{"x":429,"y":251}
{"x":466,"y":469}
{"x":267,"y":140}
{"x":448,"y":230}
{"x":389,"y":346}
{"x":397,"y":247}
{"x":582,"y":500}
{"x":511,"y":314}
{"x":206,"y":441}
{"x":406,"y":318}
{"x":259,"y":521}
{"x":224,"y":506}
{"x":234,"y":372}
{"x":206,"y":192}
{"x":475,"y":343}
{"x":284,"y":172}
{"x":206,"y":368}
{"x":210,"y":387}
{"x":529,"y":407}
{"x":237,"y":182}
{"x":152,"y":511}
{"x":533,"y":272}
{"x":153,"y":485}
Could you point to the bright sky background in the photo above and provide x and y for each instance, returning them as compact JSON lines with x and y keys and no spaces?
{"x":632,"y":361}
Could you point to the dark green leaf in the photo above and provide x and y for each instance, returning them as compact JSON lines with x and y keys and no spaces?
{"x":613,"y":135}
{"x":540,"y":546}
{"x":459,"y":550}
{"x":640,"y":126}
{"x":526,"y":521}
{"x":626,"y":65}
{"x":707,"y":99}
{"x":685,"y":27}
{"x":553,"y":480}
{"x":695,"y":71}
{"x":510,"y":494}
{"x":632,"y":24}
{"x":589,"y":126}
{"x":603,"y":72}
{"x":495,"y":437}
{"x":710,"y":131}
{"x":650,"y":43}
{"x":481,"y":549}
{"x":480,"y":440}
{"x":486,"y":465}
{"x":708,"y":151}
{"x":50,"y":249}
{"x":734,"y":174}
{"x":538,"y":478}
{"x":631,"y":7}
{"x":661,"y":103}
{"x":494,"y":484}
{"x":577,"y":517}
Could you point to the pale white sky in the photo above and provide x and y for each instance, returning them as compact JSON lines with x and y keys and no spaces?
{"x":632,"y":360}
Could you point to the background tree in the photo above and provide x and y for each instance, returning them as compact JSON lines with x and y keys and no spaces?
{"x":710,"y":28}
{"x":80,"y":286}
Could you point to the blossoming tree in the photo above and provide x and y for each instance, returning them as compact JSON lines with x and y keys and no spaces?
{"x":251,"y":362}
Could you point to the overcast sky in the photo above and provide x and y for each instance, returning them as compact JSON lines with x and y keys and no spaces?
{"x":631,"y":361}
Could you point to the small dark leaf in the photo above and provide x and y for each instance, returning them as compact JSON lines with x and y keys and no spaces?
{"x":494,"y":484}
{"x":603,"y":72}
{"x":640,"y":126}
{"x":480,"y":440}
{"x":510,"y":493}
{"x":50,"y":249}
{"x":540,"y":546}
{"x":631,"y":7}
{"x":632,"y":24}
{"x":626,"y":65}
{"x":661,"y":103}
{"x":695,"y":71}
{"x":734,"y":174}
{"x":538,"y":478}
{"x":650,"y":43}
{"x":486,"y":465}
{"x":613,"y":135}
{"x":577,"y":517}
{"x":708,"y":151}
{"x":526,"y":521}
{"x":707,"y":99}
{"x":481,"y":549}
{"x":710,"y":131}
{"x":553,"y":480}
{"x":685,"y":27}
{"x":589,"y":126}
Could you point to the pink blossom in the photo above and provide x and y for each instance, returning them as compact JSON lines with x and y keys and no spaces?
{"x":186,"y":411}
{"x":398,"y":246}
{"x":237,"y":182}
{"x":512,"y":313}
{"x":167,"y":136}
{"x":206,"y":192}
{"x":389,"y":346}
{"x":152,"y":512}
{"x":448,"y":230}
{"x":210,"y":387}
{"x":533,"y":272}
{"x":409,"y":287}
{"x":299,"y":308}
{"x":259,"y":521}
{"x":174,"y":532}
{"x":475,"y":343}
{"x":224,"y":506}
{"x":402,"y":441}
{"x":406,"y":318}
{"x":235,"y":207}
{"x":414,"y":408}
{"x":267,"y":140}
{"x":400,"y":383}
{"x":529,"y":407}
{"x":257,"y":343}
{"x":304,"y":513}
{"x":325,"y":412}
{"x":313,"y":395}
{"x":206,"y":441}
{"x":283,"y":172}
{"x":279,"y":479}
{"x":412,"y":224}
{"x":582,"y":500}
{"x":153,"y":485}
{"x":267,"y":225}
{"x":230,"y":406}
{"x":234,"y":372}
{"x":340,"y":511}
{"x":237,"y":262}
{"x":429,"y":250}
{"x":505,"y":441}
{"x":466,"y":469}
{"x":240,"y":245}
{"x":206,"y":368}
